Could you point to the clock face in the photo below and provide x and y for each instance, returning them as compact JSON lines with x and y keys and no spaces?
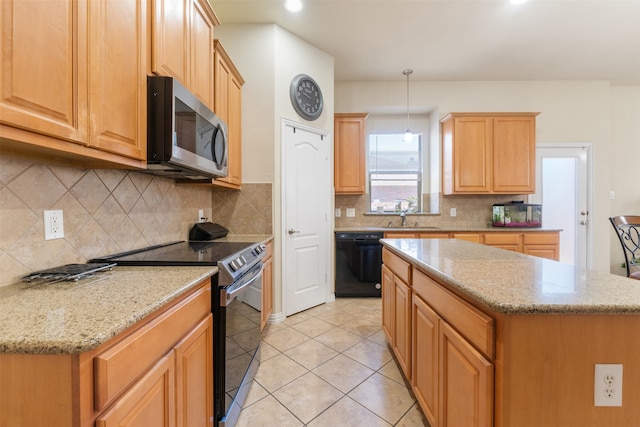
{"x":306,"y":97}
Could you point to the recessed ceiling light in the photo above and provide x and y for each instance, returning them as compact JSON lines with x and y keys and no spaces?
{"x":293,"y":5}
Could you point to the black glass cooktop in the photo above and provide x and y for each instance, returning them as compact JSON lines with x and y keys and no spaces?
{"x":177,"y":253}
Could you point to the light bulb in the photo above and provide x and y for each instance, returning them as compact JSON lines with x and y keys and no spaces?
{"x":293,"y":5}
{"x":408,"y":136}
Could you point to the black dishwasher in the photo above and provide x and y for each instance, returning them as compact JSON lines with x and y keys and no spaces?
{"x":358,"y":264}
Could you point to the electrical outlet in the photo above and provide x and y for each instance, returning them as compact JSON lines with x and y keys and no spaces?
{"x":607,"y":390}
{"x":452,"y":212}
{"x":201,"y":216}
{"x":338,"y":212}
{"x":53,"y":225}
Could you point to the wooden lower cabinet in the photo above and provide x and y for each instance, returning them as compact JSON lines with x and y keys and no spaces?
{"x":194,"y":376}
{"x":425,"y":338}
{"x":402,"y":325}
{"x":470,"y":237}
{"x":151,"y":402}
{"x":443,"y":345}
{"x":388,"y":298}
{"x":543,"y":244}
{"x":466,"y":383}
{"x":396,"y":313}
{"x":159,"y":372}
{"x":267,"y":286}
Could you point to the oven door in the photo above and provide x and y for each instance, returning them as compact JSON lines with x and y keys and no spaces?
{"x":239,"y":324}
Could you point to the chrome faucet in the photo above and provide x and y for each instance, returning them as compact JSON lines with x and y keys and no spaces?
{"x":403,"y":215}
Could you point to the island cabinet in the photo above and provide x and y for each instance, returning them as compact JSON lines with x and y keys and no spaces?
{"x":444,"y":345}
{"x":453,"y":352}
{"x":182,"y":44}
{"x":396,"y":307}
{"x":74,"y":81}
{"x":488,"y":153}
{"x":158,"y":372}
{"x":228,"y":106}
{"x":349,"y":153}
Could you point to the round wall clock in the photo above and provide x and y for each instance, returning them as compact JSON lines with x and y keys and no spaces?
{"x":306,"y":97}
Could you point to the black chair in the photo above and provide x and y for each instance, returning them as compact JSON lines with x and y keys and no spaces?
{"x":628,"y":230}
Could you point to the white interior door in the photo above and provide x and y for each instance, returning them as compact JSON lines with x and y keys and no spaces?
{"x":306,"y":198}
{"x":562,"y":187}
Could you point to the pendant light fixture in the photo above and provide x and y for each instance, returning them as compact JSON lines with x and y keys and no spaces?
{"x":408,"y":136}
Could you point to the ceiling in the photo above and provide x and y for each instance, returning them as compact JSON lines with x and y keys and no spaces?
{"x":456,"y":40}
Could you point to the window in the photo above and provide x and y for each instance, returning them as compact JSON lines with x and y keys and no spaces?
{"x":395,"y":173}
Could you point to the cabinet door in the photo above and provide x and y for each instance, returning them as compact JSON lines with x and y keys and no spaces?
{"x":201,"y":58}
{"x":150,"y":402}
{"x":425,"y":336}
{"x":194,"y":376}
{"x":267,"y":291}
{"x":399,"y":235}
{"x":472,"y":155}
{"x":433,"y":235}
{"x":43,"y":48}
{"x":402,"y":325}
{"x":228,"y":106}
{"x":388,"y":291}
{"x":514,"y":143}
{"x":170,"y":42}
{"x":235,"y":132}
{"x":470,"y":237}
{"x":543,"y":251}
{"x":117,"y":77}
{"x":466,"y":383}
{"x":349,"y":153}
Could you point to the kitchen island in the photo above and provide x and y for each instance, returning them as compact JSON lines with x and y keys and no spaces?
{"x":132,"y":343}
{"x":492,"y":337}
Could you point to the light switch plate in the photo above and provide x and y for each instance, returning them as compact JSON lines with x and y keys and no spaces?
{"x":351,"y":212}
{"x":338,"y":212}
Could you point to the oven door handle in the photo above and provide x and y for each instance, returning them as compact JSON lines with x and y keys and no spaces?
{"x":227,"y":297}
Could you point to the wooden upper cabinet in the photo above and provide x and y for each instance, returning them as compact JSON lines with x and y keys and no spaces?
{"x":488,"y":153}
{"x":182,"y":44}
{"x":349,"y":153}
{"x":228,"y":106}
{"x":117,"y":77}
{"x":44,"y":89}
{"x":77,"y":82}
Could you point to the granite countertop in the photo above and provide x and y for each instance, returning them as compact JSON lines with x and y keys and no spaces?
{"x":443,"y":229}
{"x":514,"y":283}
{"x":72,"y":317}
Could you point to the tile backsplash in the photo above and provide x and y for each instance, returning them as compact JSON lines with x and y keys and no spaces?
{"x":107,"y":211}
{"x":471,"y":211}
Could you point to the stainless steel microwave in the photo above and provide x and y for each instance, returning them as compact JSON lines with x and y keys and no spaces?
{"x":185,"y":140}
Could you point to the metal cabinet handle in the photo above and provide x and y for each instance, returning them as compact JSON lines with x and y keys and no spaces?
{"x":292,"y":231}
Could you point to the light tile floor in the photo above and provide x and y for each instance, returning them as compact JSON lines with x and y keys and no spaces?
{"x":330,"y":366}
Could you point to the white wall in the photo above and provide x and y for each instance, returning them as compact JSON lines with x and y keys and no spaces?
{"x":570,"y":111}
{"x":268,"y":58}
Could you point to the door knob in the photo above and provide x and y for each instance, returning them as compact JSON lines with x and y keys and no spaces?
{"x":292,"y":231}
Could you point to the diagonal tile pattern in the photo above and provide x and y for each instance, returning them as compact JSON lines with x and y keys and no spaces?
{"x":330,"y":366}
{"x":107,"y":211}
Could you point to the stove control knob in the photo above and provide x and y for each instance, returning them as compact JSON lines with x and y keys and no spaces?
{"x":233,"y":265}
{"x":243,"y":260}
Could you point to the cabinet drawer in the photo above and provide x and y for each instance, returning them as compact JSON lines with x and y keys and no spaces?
{"x":541,"y":238}
{"x":119,"y":366}
{"x":400,"y":267}
{"x":475,"y":326}
{"x":501,"y":239}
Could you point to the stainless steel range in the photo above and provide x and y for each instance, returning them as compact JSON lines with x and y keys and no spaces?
{"x":236,"y":310}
